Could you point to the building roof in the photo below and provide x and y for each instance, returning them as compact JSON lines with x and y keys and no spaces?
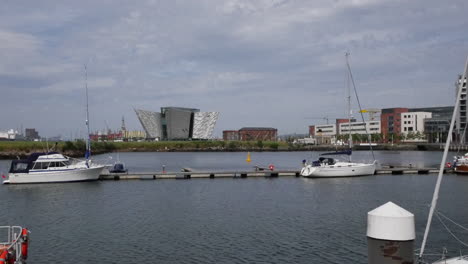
{"x":258,"y":128}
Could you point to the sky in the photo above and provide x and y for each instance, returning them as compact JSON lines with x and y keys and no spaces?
{"x":266,"y":63}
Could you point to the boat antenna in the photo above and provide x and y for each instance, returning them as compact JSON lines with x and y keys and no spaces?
{"x":442,"y":163}
{"x":359,"y":104}
{"x":88,"y":139}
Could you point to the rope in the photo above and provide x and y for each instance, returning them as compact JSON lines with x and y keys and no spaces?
{"x":360,"y":108}
{"x":455,"y":223}
{"x":462,"y":139}
{"x":450,"y":232}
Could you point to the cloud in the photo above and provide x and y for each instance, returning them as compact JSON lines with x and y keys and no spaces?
{"x":267,"y":62}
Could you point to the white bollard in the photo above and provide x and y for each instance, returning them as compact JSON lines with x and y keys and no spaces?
{"x":390,"y":235}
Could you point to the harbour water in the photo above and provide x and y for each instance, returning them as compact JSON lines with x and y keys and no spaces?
{"x":252,"y":220}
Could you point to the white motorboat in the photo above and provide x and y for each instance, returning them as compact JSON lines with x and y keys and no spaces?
{"x":55,"y":167}
{"x":52,"y":167}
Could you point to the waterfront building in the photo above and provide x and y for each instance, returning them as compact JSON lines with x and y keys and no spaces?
{"x":436,"y":127}
{"x":360,"y":128}
{"x":326,"y":130}
{"x":258,"y":133}
{"x":133,"y":135}
{"x":204,"y":124}
{"x":342,"y":121}
{"x":31,"y":134}
{"x":9,"y":134}
{"x":461,"y":116}
{"x":311,"y":131}
{"x":177,"y":123}
{"x":412,"y":125}
{"x":390,"y":121}
{"x":231,"y":135}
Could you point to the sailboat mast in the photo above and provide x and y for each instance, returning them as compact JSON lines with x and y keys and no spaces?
{"x":88,"y":139}
{"x":350,"y":138}
{"x":435,"y":197}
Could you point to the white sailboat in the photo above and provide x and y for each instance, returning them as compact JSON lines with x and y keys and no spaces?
{"x":329,"y":167}
{"x":55,"y":167}
{"x":462,"y":259}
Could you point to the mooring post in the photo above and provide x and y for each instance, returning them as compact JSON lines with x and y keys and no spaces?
{"x":390,"y":235}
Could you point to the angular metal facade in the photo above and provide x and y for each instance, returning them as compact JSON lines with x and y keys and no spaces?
{"x":178,"y":123}
{"x":203,"y":124}
{"x":151,"y":122}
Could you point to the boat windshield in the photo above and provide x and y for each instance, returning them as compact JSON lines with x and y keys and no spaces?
{"x":328,"y":161}
{"x":19,"y":166}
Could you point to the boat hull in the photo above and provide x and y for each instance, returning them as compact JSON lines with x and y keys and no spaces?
{"x":72,"y":175}
{"x":459,"y":260}
{"x":461,"y":169}
{"x":338,"y":170}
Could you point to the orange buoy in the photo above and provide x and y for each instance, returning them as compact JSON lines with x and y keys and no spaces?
{"x":3,"y":257}
{"x":271,"y":167}
{"x":24,"y":244}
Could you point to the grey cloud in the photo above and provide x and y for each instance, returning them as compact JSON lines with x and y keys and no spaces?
{"x":268,"y":63}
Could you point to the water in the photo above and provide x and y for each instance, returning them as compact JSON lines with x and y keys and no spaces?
{"x":253,"y":220}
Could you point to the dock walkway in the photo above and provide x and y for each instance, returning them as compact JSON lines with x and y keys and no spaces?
{"x":243,"y":174}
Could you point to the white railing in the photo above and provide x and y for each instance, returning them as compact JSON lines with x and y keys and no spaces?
{"x":13,"y":243}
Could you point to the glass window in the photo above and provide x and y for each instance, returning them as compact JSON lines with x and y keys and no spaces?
{"x":41,"y":165}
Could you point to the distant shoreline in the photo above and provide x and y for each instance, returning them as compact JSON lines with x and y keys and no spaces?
{"x":21,"y":149}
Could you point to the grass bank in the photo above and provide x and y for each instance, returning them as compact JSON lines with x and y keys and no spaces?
{"x":13,"y":149}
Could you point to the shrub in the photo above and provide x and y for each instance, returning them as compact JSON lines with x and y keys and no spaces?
{"x":274,"y":146}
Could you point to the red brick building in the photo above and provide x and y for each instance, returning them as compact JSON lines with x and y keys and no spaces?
{"x":258,"y":133}
{"x":311,"y":131}
{"x":390,"y":121}
{"x":231,"y":135}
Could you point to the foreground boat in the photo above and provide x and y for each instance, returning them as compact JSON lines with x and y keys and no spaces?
{"x":52,"y":167}
{"x":461,"y":164}
{"x":14,"y":248}
{"x":455,"y":260}
{"x":462,"y":259}
{"x":328,"y":167}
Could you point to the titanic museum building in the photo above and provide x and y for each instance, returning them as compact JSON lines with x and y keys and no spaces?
{"x":177,"y":123}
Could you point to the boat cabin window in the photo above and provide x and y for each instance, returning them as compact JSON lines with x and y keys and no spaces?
{"x":19,"y":167}
{"x":57,"y":164}
{"x":41,"y":165}
{"x":328,"y":161}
